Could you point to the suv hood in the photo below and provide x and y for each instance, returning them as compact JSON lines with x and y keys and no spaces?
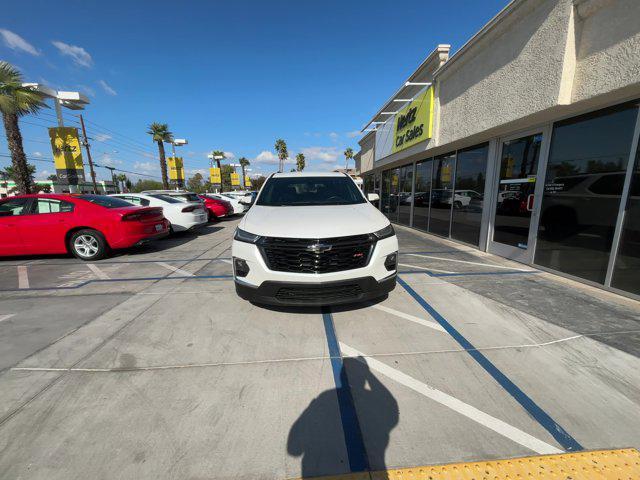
{"x":313,"y":221}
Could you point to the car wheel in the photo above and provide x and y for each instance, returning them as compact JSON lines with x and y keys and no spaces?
{"x":88,"y":244}
{"x":212,"y":217}
{"x":457,"y":204}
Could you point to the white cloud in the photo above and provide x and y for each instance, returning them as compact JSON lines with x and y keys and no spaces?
{"x":333,"y":136}
{"x":43,"y":174}
{"x":37,"y":154}
{"x":270,"y":158}
{"x":324,"y":154}
{"x":145,"y":167}
{"x":101,"y":137}
{"x":78,"y":54}
{"x":354,"y":134}
{"x":107,"y":88}
{"x":201,"y":171}
{"x":229,"y":155}
{"x":17,"y":43}
{"x":108,"y":160}
{"x":88,"y":90}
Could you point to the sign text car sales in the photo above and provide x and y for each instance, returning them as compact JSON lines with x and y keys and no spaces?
{"x":413,"y":123}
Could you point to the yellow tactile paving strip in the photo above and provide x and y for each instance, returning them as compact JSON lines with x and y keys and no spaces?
{"x":622,"y":464}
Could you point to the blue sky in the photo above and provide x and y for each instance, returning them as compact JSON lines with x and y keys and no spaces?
{"x":229,"y":75}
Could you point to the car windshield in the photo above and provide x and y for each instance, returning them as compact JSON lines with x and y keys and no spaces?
{"x":165,"y":198}
{"x":105,"y":201}
{"x":301,"y":191}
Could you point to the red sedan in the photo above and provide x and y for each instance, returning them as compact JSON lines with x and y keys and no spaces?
{"x":216,"y":208}
{"x":87,"y":226}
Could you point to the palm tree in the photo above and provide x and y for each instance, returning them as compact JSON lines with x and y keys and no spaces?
{"x":160,"y":133}
{"x":16,"y":101}
{"x":218,"y":153}
{"x":348,"y":155}
{"x":243,"y":164}
{"x":122,"y":181}
{"x":281,"y":148}
{"x":300,"y":163}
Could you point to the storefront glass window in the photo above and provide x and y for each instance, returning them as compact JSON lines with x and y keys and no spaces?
{"x":384,"y":190}
{"x":583,"y":185}
{"x":393,"y":195}
{"x":404,"y":196}
{"x":626,"y":273}
{"x":422,"y":195}
{"x":442,"y":194}
{"x":471,"y":168}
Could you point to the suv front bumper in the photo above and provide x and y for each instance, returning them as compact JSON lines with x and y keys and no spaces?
{"x":316,"y":294}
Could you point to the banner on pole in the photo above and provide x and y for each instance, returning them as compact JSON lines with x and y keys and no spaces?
{"x":67,"y":155}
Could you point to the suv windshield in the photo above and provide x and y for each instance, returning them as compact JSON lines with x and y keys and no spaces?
{"x":104,"y":201}
{"x":300,"y":191}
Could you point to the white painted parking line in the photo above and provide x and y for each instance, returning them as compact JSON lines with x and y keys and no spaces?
{"x":23,"y":277}
{"x":175,"y":269}
{"x":425,"y":268}
{"x":6,"y":316}
{"x":97,"y":271}
{"x":411,"y":318}
{"x":472,"y":413}
{"x":470,"y":263}
{"x":226,"y":261}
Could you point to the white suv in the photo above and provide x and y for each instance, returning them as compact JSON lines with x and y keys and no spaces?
{"x":313,"y":239}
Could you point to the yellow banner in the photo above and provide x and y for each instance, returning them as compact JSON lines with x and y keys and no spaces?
{"x":235,"y":180}
{"x":215,"y":177}
{"x":414,"y":123}
{"x":66,"y":148}
{"x":176,"y":168}
{"x":247,"y":181}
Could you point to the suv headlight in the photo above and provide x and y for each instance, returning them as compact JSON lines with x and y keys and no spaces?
{"x":386,"y":232}
{"x":246,"y":237}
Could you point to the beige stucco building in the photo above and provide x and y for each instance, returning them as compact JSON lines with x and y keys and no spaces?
{"x":524,"y":142}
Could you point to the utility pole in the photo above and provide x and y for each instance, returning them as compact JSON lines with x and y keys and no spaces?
{"x":86,"y":146}
{"x":113,"y":178}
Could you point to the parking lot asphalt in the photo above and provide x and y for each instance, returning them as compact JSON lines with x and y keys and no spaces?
{"x":147,"y":365}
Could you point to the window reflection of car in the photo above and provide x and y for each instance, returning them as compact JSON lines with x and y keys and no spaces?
{"x":586,"y":201}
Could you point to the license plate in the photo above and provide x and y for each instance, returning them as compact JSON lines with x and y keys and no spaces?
{"x":158,"y":227}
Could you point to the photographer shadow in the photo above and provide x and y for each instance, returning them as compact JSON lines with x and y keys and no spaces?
{"x":326,"y":427}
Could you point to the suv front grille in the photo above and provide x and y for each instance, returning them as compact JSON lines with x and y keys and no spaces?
{"x":326,"y":293}
{"x":303,"y":255}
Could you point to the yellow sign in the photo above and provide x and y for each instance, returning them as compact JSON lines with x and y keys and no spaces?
{"x":235,"y":180}
{"x":414,"y":123}
{"x":247,"y":181}
{"x":67,"y":154}
{"x":445,"y":173}
{"x":215,"y":177}
{"x":176,"y":168}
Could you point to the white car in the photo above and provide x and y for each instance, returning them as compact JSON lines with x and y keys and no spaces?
{"x":313,"y":239}
{"x":235,"y":202}
{"x":182,"y":216}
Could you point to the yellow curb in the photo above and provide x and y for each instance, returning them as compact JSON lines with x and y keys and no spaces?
{"x":621,"y":464}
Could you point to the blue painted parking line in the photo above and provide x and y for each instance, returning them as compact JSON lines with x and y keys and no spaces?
{"x":465,"y":274}
{"x":550,"y":425}
{"x":124,"y":262}
{"x":434,"y":251}
{"x":356,"y":452}
{"x":113,"y":280}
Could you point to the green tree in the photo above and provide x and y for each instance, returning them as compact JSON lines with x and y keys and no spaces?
{"x":12,"y":174}
{"x":142,"y":185}
{"x":300,"y":162}
{"x":161,"y":134}
{"x":53,"y":177}
{"x":16,"y":101}
{"x":218,"y":153}
{"x":194,"y":184}
{"x":258,"y":182}
{"x":348,"y":155}
{"x":243,"y":164}
{"x":281,"y":148}
{"x":121,"y":180}
{"x":225,"y":173}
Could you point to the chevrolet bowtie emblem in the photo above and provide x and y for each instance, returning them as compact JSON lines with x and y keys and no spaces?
{"x":319,"y":247}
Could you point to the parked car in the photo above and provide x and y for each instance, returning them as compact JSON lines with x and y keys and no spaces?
{"x":313,"y":239}
{"x":235,"y":203}
{"x":181,"y":195}
{"x":181,"y":217}
{"x":88,"y":226}
{"x":217,"y":208}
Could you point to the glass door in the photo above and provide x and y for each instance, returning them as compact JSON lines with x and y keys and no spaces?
{"x":514,"y":233}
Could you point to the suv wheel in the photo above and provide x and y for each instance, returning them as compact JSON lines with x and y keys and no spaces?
{"x":88,"y":244}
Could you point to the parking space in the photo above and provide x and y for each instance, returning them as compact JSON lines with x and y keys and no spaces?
{"x":148,"y":365}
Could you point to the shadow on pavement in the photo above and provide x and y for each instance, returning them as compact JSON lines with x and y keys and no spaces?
{"x":325,"y":428}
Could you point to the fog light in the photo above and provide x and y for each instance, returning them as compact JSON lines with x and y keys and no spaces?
{"x":391,"y":261}
{"x":240,"y":267}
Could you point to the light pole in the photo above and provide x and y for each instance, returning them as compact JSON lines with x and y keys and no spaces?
{"x":70,"y":100}
{"x":178,"y":142}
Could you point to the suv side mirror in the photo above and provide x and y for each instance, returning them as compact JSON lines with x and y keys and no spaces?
{"x":373,"y":197}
